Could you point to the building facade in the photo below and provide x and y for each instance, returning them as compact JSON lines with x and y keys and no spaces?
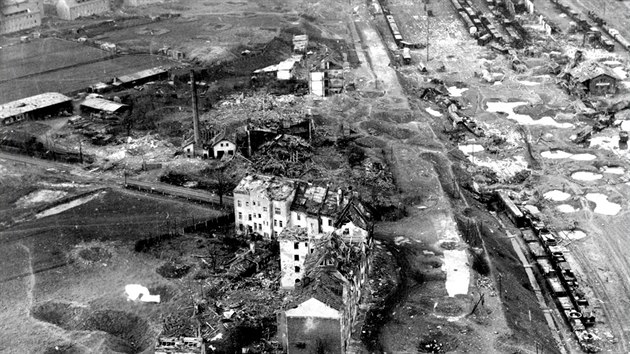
{"x":262,"y":204}
{"x":40,"y":106}
{"x":18,"y":15}
{"x":72,"y":9}
{"x":295,"y":244}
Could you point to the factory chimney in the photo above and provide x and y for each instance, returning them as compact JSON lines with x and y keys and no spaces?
{"x":195,"y":106}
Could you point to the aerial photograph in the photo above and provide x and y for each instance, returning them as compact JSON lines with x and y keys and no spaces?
{"x":314,"y":176}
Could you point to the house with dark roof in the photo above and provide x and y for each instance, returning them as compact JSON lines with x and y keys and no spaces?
{"x":594,"y":78}
{"x":327,"y":298}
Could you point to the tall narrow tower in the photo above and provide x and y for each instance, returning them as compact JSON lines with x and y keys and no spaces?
{"x":195,"y":107}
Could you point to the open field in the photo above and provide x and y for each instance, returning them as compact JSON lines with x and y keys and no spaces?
{"x":41,"y":262}
{"x":43,"y":55}
{"x":78,"y":77}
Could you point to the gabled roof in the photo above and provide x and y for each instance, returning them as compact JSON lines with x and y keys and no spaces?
{"x":103,"y":105}
{"x":141,"y":74}
{"x":589,"y":70}
{"x":32,"y":103}
{"x":357,"y":213}
{"x":313,"y":308}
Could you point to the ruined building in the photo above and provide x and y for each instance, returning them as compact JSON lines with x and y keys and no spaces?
{"x":72,"y":9}
{"x":18,"y":15}
{"x":134,"y":3}
{"x":321,"y":318}
{"x":350,"y":220}
{"x":262,"y":204}
{"x":592,"y":78}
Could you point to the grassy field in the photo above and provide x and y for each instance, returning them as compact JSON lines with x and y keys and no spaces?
{"x":78,"y":77}
{"x":39,"y":264}
{"x":43,"y":55}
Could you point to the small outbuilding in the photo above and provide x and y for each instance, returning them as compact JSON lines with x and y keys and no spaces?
{"x":597,"y":79}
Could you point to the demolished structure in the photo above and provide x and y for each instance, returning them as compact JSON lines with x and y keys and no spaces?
{"x":327,"y":300}
{"x":349,"y":219}
{"x":592,"y":78}
{"x":262,"y":204}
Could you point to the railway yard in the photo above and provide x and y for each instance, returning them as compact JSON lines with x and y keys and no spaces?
{"x":489,"y":137}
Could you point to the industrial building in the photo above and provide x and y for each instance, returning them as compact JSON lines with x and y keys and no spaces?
{"x":141,"y":77}
{"x":101,"y":105}
{"x":18,"y":15}
{"x":44,"y":105}
{"x":72,"y":9}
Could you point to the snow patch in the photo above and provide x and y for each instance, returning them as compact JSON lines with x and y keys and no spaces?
{"x":508,"y":108}
{"x":528,"y":83}
{"x":457,"y":273}
{"x":136,"y":292}
{"x":40,"y":196}
{"x":67,"y":206}
{"x":586,"y":176}
{"x":556,"y":195}
{"x":613,"y":170}
{"x":401,"y":240}
{"x":566,"y":208}
{"x":602,"y":205}
{"x":471,"y":148}
{"x":433,"y":112}
{"x":573,"y":235}
{"x":555,"y":154}
{"x":456,"y":92}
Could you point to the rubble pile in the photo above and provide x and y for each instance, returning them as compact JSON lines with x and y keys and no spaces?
{"x":259,"y":109}
{"x":286,"y":155}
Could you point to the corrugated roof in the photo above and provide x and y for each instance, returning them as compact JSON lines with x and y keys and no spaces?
{"x":141,"y":74}
{"x":32,"y":103}
{"x":103,"y":104}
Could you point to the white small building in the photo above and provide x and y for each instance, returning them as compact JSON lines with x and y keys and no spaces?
{"x":222,"y":146}
{"x":286,"y":68}
{"x":72,"y":9}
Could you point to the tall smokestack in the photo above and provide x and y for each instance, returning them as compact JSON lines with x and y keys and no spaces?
{"x":195,"y":106}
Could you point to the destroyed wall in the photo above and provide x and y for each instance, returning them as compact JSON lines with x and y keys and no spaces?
{"x":292,"y":255}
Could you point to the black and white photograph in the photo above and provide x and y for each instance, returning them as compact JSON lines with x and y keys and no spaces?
{"x":314,"y":176}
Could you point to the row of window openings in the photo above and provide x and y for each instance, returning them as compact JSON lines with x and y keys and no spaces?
{"x":240,"y":204}
{"x":249,"y":218}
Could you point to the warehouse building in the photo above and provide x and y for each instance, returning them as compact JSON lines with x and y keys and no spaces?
{"x":41,"y":106}
{"x":18,"y":15}
{"x":101,"y":105}
{"x":72,"y":9}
